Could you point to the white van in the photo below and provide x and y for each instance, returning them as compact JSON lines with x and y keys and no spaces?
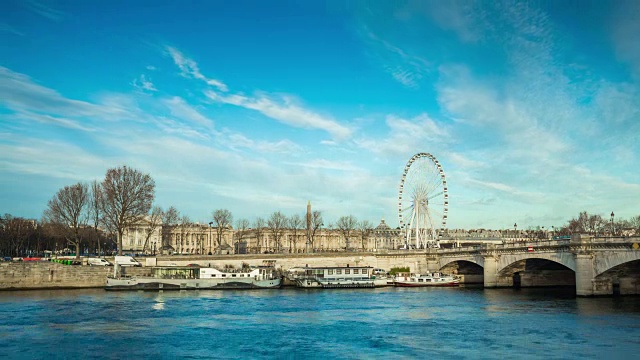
{"x":98,"y":262}
{"x":127,"y":261}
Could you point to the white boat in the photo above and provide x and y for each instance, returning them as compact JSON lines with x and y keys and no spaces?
{"x":198,"y":278}
{"x":332,"y":277}
{"x":429,"y":279}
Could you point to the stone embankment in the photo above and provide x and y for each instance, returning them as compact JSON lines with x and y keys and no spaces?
{"x":49,"y":275}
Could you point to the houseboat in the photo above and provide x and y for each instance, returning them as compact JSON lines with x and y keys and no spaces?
{"x":429,"y":279}
{"x":198,"y":278}
{"x":332,"y":277}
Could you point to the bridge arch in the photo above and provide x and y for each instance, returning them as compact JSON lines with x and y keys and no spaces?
{"x":444,"y":261}
{"x":608,"y":261}
{"x":566,"y":259}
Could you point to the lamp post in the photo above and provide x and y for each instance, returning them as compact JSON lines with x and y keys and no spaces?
{"x":613,"y":229}
{"x":515,"y":230}
{"x":154,"y":249}
{"x":210,"y":226}
{"x":553,"y":231}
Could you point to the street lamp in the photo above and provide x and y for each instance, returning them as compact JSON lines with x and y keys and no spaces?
{"x":210,"y":226}
{"x":515,"y":230}
{"x":154,"y":248}
{"x":613,"y":229}
{"x":553,"y":231}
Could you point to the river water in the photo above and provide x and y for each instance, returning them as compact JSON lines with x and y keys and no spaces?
{"x":387,"y":323}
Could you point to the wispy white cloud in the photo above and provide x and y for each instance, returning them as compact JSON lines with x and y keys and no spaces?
{"x":328,"y":165}
{"x":58,"y":121}
{"x":190,"y":69}
{"x":41,"y":9}
{"x":18,"y":92}
{"x":406,"y":136}
{"x":4,"y":27}
{"x":286,"y":112}
{"x":181,"y":110}
{"x":236,"y":140}
{"x":406,"y":68}
{"x":143,"y":83}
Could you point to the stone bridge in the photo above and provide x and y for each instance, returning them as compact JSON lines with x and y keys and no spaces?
{"x":597,"y":266}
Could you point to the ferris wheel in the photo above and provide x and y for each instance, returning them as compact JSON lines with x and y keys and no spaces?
{"x":423,"y":201}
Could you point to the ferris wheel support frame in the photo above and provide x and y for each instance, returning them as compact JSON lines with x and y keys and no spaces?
{"x":427,"y":237}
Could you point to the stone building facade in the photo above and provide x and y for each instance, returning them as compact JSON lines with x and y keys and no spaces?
{"x":176,"y":239}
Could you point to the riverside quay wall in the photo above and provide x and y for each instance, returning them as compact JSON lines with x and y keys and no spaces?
{"x":50,"y":275}
{"x":593,"y":265}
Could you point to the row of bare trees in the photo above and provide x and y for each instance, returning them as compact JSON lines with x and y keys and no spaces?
{"x":28,"y":237}
{"x":122,"y":199}
{"x":596,"y":224}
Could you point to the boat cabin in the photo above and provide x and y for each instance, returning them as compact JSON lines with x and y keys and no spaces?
{"x":333,"y":272}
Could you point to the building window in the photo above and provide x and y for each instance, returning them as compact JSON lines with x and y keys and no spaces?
{"x":338,"y":271}
{"x":347,"y":271}
{"x":355,"y":271}
{"x":330,"y":272}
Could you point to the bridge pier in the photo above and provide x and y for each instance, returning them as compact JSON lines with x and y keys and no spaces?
{"x":490,"y":271}
{"x":585,"y":274}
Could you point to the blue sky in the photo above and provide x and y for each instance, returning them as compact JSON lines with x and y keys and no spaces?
{"x":531,"y":107}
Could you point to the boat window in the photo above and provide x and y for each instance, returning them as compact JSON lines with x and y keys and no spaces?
{"x":419,"y":280}
{"x":233,"y":275}
{"x":347,"y":271}
{"x":224,"y":275}
{"x":355,"y":271}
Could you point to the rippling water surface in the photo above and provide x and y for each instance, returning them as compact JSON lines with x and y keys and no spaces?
{"x":338,"y":324}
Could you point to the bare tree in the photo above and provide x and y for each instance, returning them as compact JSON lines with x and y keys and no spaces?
{"x":366,"y":228}
{"x":223,"y":219}
{"x":241,"y":230}
{"x":258,"y":225}
{"x":277,"y":223}
{"x":316,"y":223}
{"x":95,"y":212}
{"x":155,"y":219}
{"x":68,"y":210}
{"x":295,"y":223}
{"x":126,"y":199}
{"x":634,"y":222}
{"x":184,"y":223}
{"x":346,"y":225}
{"x":170,"y":219}
{"x":15,"y":234}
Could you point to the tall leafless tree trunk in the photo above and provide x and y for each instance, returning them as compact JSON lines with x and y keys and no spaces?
{"x":241,"y":230}
{"x":277,"y":223}
{"x":126,"y":199}
{"x":223,"y":219}
{"x":365,"y":227}
{"x":155,"y":219}
{"x":316,"y":223}
{"x":95,"y":213}
{"x":68,"y":209}
{"x":346,"y":225}
{"x":295,"y":224}
{"x":258,"y":225}
{"x":169,"y":222}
